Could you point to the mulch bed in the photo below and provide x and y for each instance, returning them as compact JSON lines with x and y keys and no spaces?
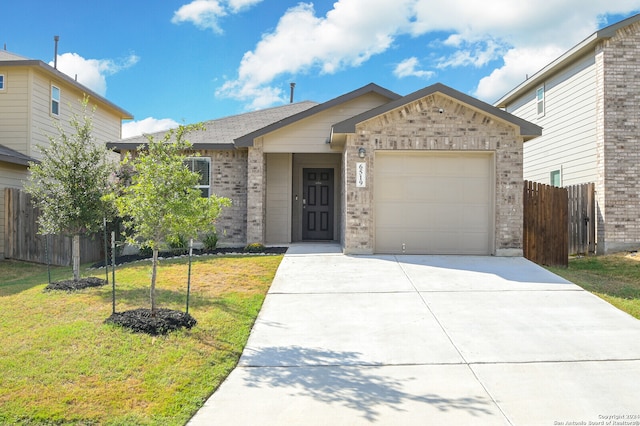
{"x":196,"y":252}
{"x":71,"y":285}
{"x":161,"y":322}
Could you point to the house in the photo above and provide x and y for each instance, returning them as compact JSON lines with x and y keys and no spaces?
{"x":433,"y":172}
{"x":34,"y":97}
{"x":588,"y":102}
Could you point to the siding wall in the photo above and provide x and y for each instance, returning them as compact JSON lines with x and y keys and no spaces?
{"x":568,"y":141}
{"x":278,"y":204}
{"x":14,"y":109}
{"x":310,"y":135}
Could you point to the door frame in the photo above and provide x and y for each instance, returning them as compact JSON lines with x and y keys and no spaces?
{"x":315,"y":161}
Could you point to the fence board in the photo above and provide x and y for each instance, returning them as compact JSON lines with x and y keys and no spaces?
{"x":545,"y":224}
{"x":582,"y":222}
{"x":22,"y":241}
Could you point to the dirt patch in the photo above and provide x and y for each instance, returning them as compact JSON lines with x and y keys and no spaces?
{"x":160,"y":322}
{"x":71,"y":285}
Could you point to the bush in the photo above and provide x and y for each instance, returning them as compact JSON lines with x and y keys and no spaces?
{"x":254,"y":248}
{"x":146,"y":251}
{"x":178,"y":244}
{"x":210,"y":241}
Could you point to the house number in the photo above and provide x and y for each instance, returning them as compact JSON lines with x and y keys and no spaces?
{"x":361,"y":175}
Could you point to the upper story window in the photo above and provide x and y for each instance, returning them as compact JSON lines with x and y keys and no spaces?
{"x":540,"y":101}
{"x":1,"y":82}
{"x":555,"y":178}
{"x":203,"y":167}
{"x":55,"y":100}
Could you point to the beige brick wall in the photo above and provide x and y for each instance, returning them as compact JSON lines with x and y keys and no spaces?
{"x":420,"y":126}
{"x":256,"y":193}
{"x":618,"y":144}
{"x":229,"y":179}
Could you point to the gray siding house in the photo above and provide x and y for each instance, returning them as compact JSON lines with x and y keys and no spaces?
{"x":588,"y":103}
{"x":433,"y":172}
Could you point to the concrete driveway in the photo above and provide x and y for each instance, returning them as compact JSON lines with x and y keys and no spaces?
{"x":429,"y":340}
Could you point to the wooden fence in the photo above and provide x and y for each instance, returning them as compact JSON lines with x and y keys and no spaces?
{"x":582,"y":219}
{"x":22,"y":241}
{"x":546,"y":234}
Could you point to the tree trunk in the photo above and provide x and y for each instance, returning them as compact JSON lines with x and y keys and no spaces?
{"x":75,"y":254}
{"x":154,"y":268}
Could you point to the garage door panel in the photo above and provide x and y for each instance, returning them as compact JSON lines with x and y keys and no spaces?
{"x":429,"y":203}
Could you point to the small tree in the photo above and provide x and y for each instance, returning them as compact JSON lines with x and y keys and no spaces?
{"x":70,"y":181}
{"x":162,"y":202}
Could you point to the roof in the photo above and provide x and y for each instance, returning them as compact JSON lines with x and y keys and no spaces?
{"x":527,"y":129}
{"x":585,"y":46}
{"x":247,"y":139}
{"x":221,"y":133}
{"x":9,"y":155}
{"x":8,"y":59}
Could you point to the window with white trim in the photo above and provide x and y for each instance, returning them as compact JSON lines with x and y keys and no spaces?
{"x":555,"y":178}
{"x":55,"y":100}
{"x":540,"y":101}
{"x":201,"y":165}
{"x":2,"y":82}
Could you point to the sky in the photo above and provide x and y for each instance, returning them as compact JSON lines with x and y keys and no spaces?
{"x":171,"y":62}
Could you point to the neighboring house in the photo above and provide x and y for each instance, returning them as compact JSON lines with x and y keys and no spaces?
{"x":434,"y":172}
{"x":33,"y":98}
{"x":588,"y":103}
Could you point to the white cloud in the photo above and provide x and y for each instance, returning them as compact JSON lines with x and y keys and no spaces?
{"x":146,"y":126}
{"x":206,"y":14}
{"x":203,"y":13}
{"x":92,"y":72}
{"x":346,"y":37}
{"x":409,"y":68}
{"x":527,"y":34}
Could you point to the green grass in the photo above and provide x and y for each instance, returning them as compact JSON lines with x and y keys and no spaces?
{"x":60,"y":364}
{"x":615,"y":278}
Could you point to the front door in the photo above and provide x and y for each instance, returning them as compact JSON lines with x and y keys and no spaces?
{"x":317,"y":204}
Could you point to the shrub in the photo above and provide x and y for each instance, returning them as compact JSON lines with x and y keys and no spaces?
{"x":210,"y":241}
{"x":178,"y":244}
{"x":254,"y":248}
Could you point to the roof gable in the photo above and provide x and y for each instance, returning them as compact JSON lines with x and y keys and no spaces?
{"x":527,"y":129}
{"x":585,"y":46}
{"x":10,"y":60}
{"x":247,"y":140}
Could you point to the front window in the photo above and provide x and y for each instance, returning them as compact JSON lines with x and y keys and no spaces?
{"x":1,"y":82}
{"x":554,"y":178}
{"x":203,"y":167}
{"x":540,"y":101}
{"x":55,"y":100}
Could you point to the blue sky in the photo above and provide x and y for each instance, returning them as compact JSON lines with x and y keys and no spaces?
{"x":172,"y":62}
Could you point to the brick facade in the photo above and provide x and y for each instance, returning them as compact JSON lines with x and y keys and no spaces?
{"x":421,"y":126}
{"x":229,"y":179}
{"x":618,"y":145}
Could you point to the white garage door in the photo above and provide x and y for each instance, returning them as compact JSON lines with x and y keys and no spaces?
{"x":433,"y":203}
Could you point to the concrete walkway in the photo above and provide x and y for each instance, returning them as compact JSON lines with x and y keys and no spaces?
{"x":429,"y":340}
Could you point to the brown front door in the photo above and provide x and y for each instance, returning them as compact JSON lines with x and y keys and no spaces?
{"x":317,"y":204}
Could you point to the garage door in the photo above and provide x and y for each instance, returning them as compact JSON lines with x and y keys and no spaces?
{"x":433,"y":203}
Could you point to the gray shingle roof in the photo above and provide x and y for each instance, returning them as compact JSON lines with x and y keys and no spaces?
{"x":9,"y":155}
{"x":220,"y":133}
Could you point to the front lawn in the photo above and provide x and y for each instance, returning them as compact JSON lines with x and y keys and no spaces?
{"x":615,"y":278}
{"x":60,"y":364}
